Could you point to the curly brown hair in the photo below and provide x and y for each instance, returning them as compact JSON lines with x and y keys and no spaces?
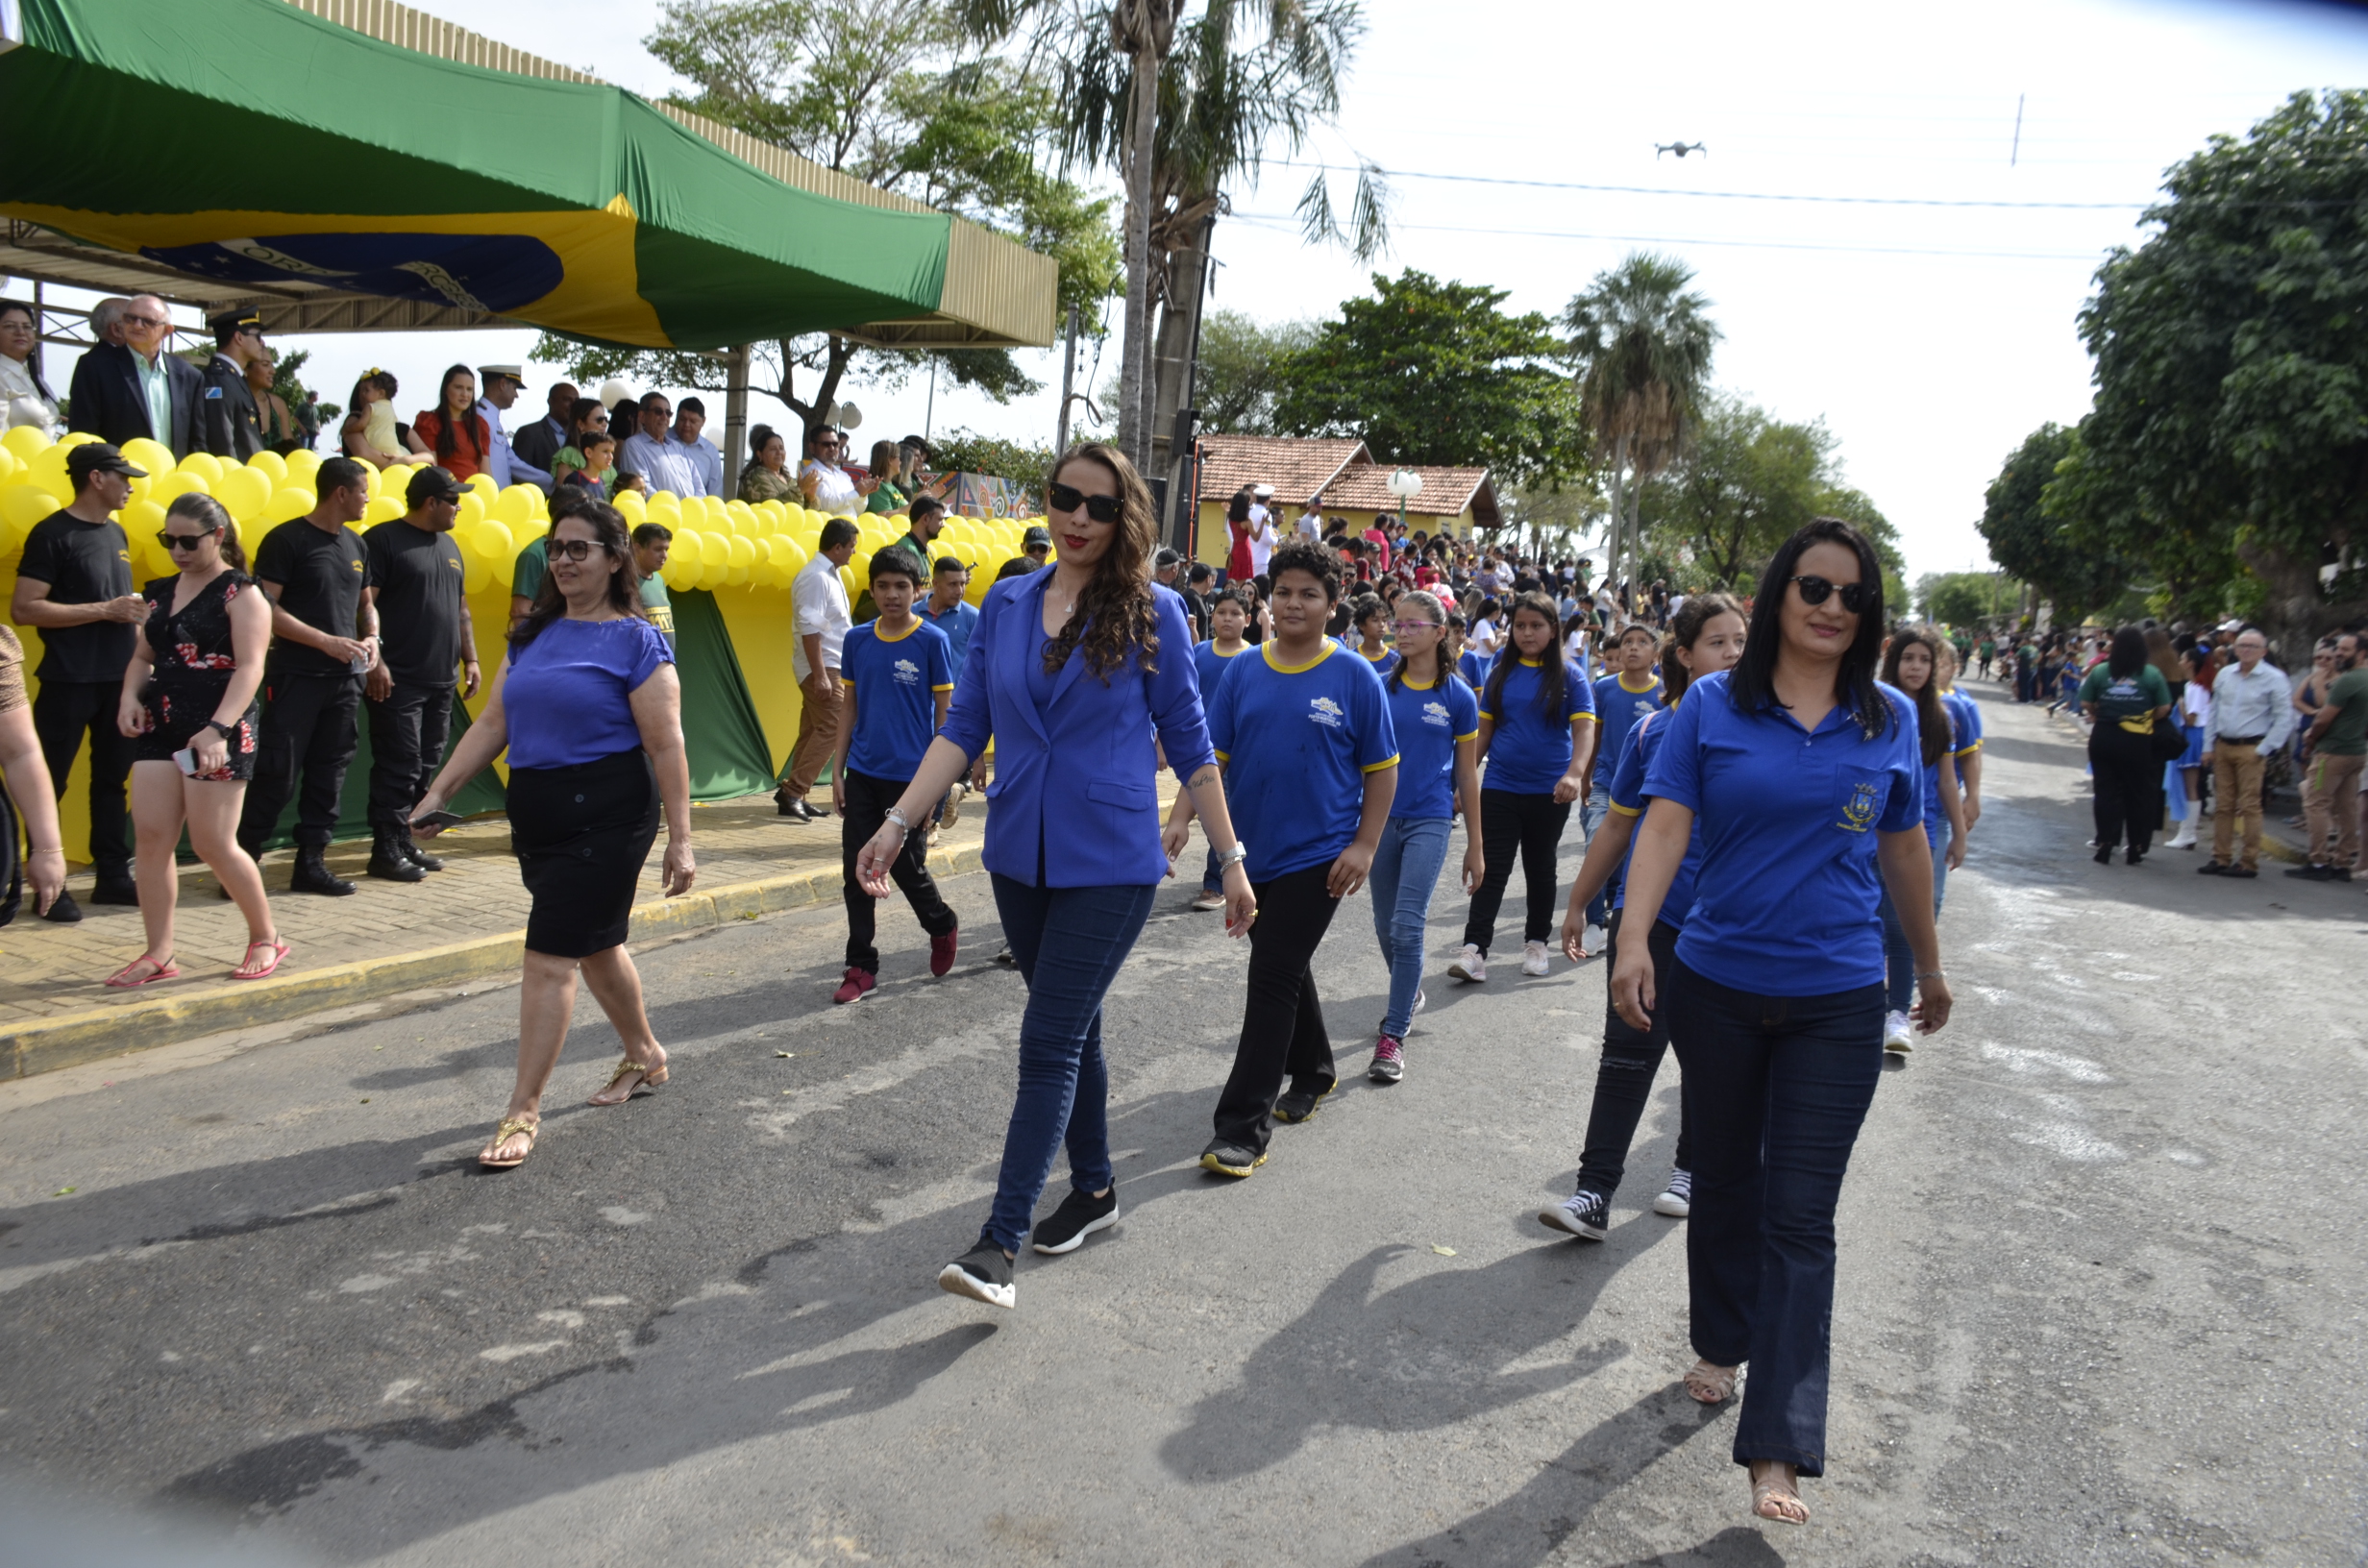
{"x":1116,"y":618}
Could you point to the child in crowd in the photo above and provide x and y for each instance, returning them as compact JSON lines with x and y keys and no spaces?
{"x":370,"y":435}
{"x":587,"y":466}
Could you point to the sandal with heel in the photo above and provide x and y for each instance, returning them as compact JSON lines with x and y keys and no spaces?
{"x":1709,"y":1383}
{"x":1775,"y":1498}
{"x":511,"y":1127}
{"x":652,"y":1079}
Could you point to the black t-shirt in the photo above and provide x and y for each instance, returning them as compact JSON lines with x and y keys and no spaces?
{"x":321,"y":576}
{"x":84,"y":563}
{"x":418,"y":577}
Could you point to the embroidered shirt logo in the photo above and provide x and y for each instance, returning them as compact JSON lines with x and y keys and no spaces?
{"x":1324,"y":711}
{"x":907,"y":671}
{"x":1859,"y":810}
{"x":1436,"y":713}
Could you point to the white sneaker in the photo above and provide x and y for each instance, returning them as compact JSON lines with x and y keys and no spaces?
{"x":1593,"y":940}
{"x":1467,"y":965}
{"x":1420,"y":1001}
{"x":1532,"y":958}
{"x":1896,"y":1034}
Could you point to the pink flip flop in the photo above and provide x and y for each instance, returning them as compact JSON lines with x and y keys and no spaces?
{"x":124,"y":980}
{"x":278,"y":954}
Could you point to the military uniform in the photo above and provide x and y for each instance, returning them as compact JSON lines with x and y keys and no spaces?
{"x":227,"y":425}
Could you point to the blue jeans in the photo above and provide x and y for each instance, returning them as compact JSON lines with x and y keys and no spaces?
{"x":1775,"y":1090}
{"x":1069,"y":943}
{"x":1590,"y":818}
{"x":1405,"y":873}
{"x":1898,"y":962}
{"x":1212,"y":875}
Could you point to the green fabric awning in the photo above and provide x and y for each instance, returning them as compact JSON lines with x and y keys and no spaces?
{"x":251,"y":142}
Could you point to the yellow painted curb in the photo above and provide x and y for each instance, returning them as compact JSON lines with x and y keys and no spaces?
{"x":75,"y":1038}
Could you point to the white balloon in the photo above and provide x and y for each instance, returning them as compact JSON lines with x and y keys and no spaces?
{"x":613,"y":392}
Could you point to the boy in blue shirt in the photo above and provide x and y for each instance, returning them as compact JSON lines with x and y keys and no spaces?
{"x":898,"y":675}
{"x":1622,"y":699}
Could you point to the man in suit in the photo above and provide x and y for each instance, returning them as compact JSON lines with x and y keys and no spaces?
{"x":540,"y":442}
{"x":125,"y":391}
{"x":228,"y":423}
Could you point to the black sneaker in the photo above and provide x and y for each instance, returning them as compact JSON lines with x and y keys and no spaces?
{"x":120,"y":891}
{"x":2313,"y":872}
{"x":983,"y":1274}
{"x":1584,"y":1215}
{"x":1223,"y":1159}
{"x":2239,"y":870}
{"x":1299,"y":1104}
{"x":1079,"y":1216}
{"x":2212,"y":868}
{"x":64,"y":909}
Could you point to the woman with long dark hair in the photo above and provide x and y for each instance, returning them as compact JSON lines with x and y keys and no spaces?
{"x":1706,"y":636}
{"x":452,"y":433}
{"x":1912,"y":665}
{"x":1072,"y":670}
{"x":1537,"y":735}
{"x":589,"y":708}
{"x":2194,"y":719}
{"x":2125,"y":697}
{"x":1803,"y":774}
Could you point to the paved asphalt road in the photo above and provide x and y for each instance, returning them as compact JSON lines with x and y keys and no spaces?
{"x":2101,"y":1294}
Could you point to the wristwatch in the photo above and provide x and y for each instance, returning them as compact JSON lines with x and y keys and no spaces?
{"x":1234,"y":856}
{"x":228,"y":732}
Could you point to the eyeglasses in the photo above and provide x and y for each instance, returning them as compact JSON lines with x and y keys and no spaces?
{"x":1068,"y":497}
{"x":129,"y":320}
{"x":181,"y":541}
{"x":575,"y":550}
{"x":1817,"y":590}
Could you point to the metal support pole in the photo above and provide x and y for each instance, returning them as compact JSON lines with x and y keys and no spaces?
{"x":38,"y":372}
{"x":735,"y":416}
{"x":1068,"y":382}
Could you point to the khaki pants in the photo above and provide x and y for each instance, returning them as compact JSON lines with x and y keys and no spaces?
{"x":2331,"y":810}
{"x":2237,"y":786}
{"x":818,"y":737}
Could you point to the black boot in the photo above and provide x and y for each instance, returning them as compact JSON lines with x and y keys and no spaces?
{"x":388,"y":863}
{"x":314,"y":876}
{"x":412,"y":852}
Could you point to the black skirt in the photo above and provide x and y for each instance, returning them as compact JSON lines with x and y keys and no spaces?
{"x":581,"y":835}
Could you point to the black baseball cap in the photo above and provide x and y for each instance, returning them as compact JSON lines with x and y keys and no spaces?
{"x":432,"y":485}
{"x":98,"y":457}
{"x":1037,"y":534}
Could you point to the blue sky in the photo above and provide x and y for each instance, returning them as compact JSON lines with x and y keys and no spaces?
{"x":1928,"y":337}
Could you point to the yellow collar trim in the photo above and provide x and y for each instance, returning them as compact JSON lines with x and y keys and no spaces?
{"x":1636,"y":691}
{"x":1323,"y":652}
{"x":897,"y":637}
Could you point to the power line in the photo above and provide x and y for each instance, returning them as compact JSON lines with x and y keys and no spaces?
{"x":1281,"y":221}
{"x":1721,"y":195}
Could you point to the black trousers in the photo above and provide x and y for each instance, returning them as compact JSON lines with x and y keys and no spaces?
{"x":1282,"y":1020}
{"x":64,"y":712}
{"x":2129,"y":786}
{"x":407,"y":732}
{"x":1624,"y":1077}
{"x":1530,"y":826}
{"x":307,"y":726}
{"x":868,"y":800}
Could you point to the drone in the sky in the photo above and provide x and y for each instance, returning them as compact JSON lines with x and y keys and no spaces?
{"x":1680,"y":148}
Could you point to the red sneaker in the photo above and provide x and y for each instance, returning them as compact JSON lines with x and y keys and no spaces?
{"x":940,"y":951}
{"x":855,"y":988}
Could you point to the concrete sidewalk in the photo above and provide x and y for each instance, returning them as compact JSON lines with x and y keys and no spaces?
{"x":463,"y":922}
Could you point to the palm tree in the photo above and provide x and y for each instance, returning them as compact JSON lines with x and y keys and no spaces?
{"x":1643,"y":342}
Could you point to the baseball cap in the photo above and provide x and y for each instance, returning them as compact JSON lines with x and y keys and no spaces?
{"x":1166,"y":558}
{"x":431,"y":485}
{"x":1037,"y":534}
{"x":98,"y":457}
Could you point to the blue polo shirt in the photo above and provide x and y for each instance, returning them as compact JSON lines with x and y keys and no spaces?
{"x":955,"y":623}
{"x":1472,"y":668}
{"x":1618,"y":707}
{"x":1968,"y":716}
{"x":1208,"y":665}
{"x":1429,"y":721}
{"x":1296,"y":742}
{"x":1786,"y":896}
{"x":1530,"y":749}
{"x":1388,"y":660}
{"x":1628,"y":798}
{"x":896,"y":682}
{"x":1936,"y":809}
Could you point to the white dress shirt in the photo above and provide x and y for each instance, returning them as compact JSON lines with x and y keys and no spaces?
{"x":834,"y":488}
{"x":16,"y":382}
{"x":664,"y":463}
{"x":819,"y":601}
{"x":2260,"y":703}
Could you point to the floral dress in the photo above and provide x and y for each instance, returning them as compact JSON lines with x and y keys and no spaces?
{"x":194,"y":668}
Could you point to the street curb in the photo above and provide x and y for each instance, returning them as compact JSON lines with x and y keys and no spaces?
{"x":75,"y":1038}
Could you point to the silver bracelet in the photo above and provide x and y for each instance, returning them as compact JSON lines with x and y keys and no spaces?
{"x":1234,"y":856}
{"x":1932,"y":974}
{"x":897,"y":817}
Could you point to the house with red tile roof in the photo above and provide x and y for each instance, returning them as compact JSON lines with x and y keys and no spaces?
{"x":1340,"y":470}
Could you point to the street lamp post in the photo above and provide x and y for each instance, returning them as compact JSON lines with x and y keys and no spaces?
{"x":1405,"y":484}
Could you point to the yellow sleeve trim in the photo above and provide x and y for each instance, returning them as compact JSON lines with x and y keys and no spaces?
{"x":1583,"y":714}
{"x":846,"y":682}
{"x":1471,"y":736}
{"x":1222,"y":757}
{"x":1969,"y":751}
{"x":1627,"y":811}
{"x":943,"y":686}
{"x":1390,"y":761}
{"x":1490,"y":716}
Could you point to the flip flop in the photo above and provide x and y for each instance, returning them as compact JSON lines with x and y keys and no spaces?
{"x":246,"y":971}
{"x":124,"y":980}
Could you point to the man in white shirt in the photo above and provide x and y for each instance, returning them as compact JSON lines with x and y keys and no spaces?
{"x":818,"y":598}
{"x":502,"y":384}
{"x":653,"y":452}
{"x":828,"y":487}
{"x":689,"y":420}
{"x":1262,"y":535}
{"x":1310,"y":520}
{"x":2252,"y":715}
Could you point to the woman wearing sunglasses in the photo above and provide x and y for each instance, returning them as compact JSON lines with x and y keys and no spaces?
{"x":1805,"y":777}
{"x":1072,"y":670}
{"x":588,"y":706}
{"x":189,"y":701}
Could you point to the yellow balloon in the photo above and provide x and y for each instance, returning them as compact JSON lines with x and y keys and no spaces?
{"x":303,"y":464}
{"x":153,"y":456}
{"x":206,"y":466}
{"x":476,"y":575}
{"x":272,"y":465}
{"x":289,"y":504}
{"x":244,"y":491}
{"x":511,"y":506}
{"x":180,"y":483}
{"x":714,"y":550}
{"x":75,"y":438}
{"x":712,"y":577}
{"x":385,"y":509}
{"x":472,"y":509}
{"x":743,"y":553}
{"x":497,"y":542}
{"x":632,"y":508}
{"x":482,"y":483}
{"x":682,"y":574}
{"x":23,"y":506}
{"x":663,"y":511}
{"x":376,"y":480}
{"x":25,"y":440}
{"x":688,"y":546}
{"x":11,"y":465}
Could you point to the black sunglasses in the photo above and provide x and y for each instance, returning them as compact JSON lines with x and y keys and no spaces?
{"x":1817,"y":590}
{"x":181,"y":541}
{"x":575,"y":550}
{"x":1068,"y":497}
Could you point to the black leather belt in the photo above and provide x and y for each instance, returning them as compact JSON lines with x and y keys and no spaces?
{"x":2242,"y":740}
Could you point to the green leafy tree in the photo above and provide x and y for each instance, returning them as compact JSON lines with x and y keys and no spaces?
{"x":2067,"y":563}
{"x":1241,"y":370}
{"x":1431,"y":372}
{"x":897,"y":94}
{"x":1022,"y":462}
{"x":2229,"y":431}
{"x":1966,"y":599}
{"x":1745,"y":485}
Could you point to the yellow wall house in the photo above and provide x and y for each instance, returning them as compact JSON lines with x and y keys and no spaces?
{"x":1344,"y":474}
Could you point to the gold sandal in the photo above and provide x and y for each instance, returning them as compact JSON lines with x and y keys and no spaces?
{"x":1709,"y":1383}
{"x":511,"y":1127}
{"x":652,"y":1078}
{"x":1777,"y":1491}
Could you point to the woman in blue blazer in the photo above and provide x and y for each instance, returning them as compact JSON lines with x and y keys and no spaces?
{"x":1072,"y":670}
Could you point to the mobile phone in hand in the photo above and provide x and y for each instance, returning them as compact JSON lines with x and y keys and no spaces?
{"x":185,"y":759}
{"x":436,"y":822}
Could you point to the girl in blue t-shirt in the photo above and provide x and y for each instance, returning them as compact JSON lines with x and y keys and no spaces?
{"x":1538,"y":732}
{"x":1706,"y":636}
{"x":1912,"y":665}
{"x":1802,"y":773}
{"x":1436,"y":718}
